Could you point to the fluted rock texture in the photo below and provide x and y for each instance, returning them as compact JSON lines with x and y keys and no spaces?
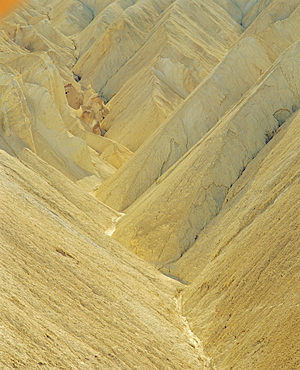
{"x":149,"y":169}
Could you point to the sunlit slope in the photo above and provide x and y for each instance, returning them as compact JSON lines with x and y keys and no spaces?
{"x":262,"y":183}
{"x":166,"y":221}
{"x":35,"y":66}
{"x":195,"y":139}
{"x":26,"y":90}
{"x":70,"y":295}
{"x":119,"y":42}
{"x":181,"y":47}
{"x":228,"y":82}
{"x":245,"y":301}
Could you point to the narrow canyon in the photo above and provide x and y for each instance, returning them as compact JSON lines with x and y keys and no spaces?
{"x":150,"y":185}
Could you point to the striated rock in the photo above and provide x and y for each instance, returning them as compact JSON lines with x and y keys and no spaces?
{"x":168,"y":70}
{"x":188,"y":124}
{"x":119,"y":42}
{"x":36,"y":33}
{"x":183,"y":115}
{"x":42,"y":132}
{"x":245,"y":63}
{"x":247,"y":199}
{"x":267,"y":12}
{"x":70,"y":16}
{"x":194,"y":189}
{"x":169,"y":66}
{"x":39,"y":131}
{"x":246,"y":291}
{"x":71,"y":291}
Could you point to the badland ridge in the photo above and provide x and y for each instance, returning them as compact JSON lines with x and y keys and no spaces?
{"x":149,"y":185}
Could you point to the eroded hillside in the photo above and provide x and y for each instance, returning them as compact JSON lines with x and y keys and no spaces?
{"x":149,"y":155}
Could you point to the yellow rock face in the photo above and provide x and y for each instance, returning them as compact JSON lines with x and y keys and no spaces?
{"x":70,"y":295}
{"x":249,"y":313}
{"x":149,"y":185}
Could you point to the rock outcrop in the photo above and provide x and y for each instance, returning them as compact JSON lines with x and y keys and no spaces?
{"x":177,"y":54}
{"x":245,"y":63}
{"x":149,"y":185}
{"x":195,"y":188}
{"x":36,"y":59}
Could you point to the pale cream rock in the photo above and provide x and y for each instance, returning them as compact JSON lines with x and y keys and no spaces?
{"x":166,"y":220}
{"x":50,"y":132}
{"x":109,"y":150}
{"x":37,"y":68}
{"x":70,"y":16}
{"x":93,"y":304}
{"x":101,"y":214}
{"x":99,"y":25}
{"x":33,"y":30}
{"x":47,"y":128}
{"x":246,"y":6}
{"x":91,"y":114}
{"x":16,"y":118}
{"x":97,"y":6}
{"x":201,"y":110}
{"x":7,"y":45}
{"x":281,"y":34}
{"x":131,"y":126}
{"x":262,"y":183}
{"x":252,"y":304}
{"x":169,"y":69}
{"x":119,"y":43}
{"x":266,"y":13}
{"x":188,"y":124}
{"x":194,"y":42}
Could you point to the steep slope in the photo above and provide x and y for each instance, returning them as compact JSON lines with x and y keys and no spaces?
{"x":73,"y":298}
{"x":263,"y":181}
{"x":245,"y":301}
{"x":192,"y":192}
{"x":120,"y":41}
{"x":28,"y":89}
{"x":32,"y":29}
{"x":267,"y":12}
{"x":200,"y":117}
{"x":251,"y":308}
{"x":30,"y":76}
{"x":182,"y":46}
{"x":245,"y":63}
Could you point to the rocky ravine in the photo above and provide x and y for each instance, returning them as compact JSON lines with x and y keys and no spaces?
{"x":149,"y":155}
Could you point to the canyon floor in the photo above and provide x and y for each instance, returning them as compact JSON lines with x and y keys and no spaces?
{"x":149,"y":185}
